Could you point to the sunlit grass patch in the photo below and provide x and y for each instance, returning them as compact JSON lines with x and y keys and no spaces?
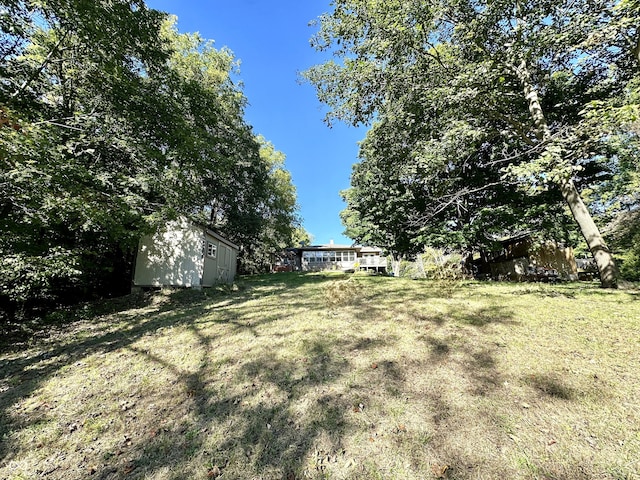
{"x":333,"y":376}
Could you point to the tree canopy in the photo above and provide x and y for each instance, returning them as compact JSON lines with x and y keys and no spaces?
{"x":487,"y":116}
{"x":112,"y":122}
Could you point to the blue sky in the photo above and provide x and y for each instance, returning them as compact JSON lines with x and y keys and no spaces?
{"x":271,"y":40}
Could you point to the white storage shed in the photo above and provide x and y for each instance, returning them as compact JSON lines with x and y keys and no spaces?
{"x":184,"y":254}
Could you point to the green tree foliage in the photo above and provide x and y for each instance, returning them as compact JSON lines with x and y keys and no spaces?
{"x":481,"y":112}
{"x":449,"y":194}
{"x":277,"y":210}
{"x":301,"y":236}
{"x":112,"y":122}
{"x":223,"y":174}
{"x":73,"y":173}
{"x":625,"y":233}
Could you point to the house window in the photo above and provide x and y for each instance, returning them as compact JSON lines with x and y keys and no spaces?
{"x":211,"y":250}
{"x":328,"y":256}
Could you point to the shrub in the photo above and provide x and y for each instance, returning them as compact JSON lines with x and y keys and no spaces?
{"x":630,"y":265}
{"x":433,"y":264}
{"x":27,"y":280}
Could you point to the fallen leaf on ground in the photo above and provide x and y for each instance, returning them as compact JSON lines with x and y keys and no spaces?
{"x":440,"y":471}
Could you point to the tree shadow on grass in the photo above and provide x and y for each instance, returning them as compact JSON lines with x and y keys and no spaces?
{"x":302,"y":414}
{"x":267,"y":415}
{"x":23,"y":374}
{"x":280,"y":417}
{"x":123,"y":322}
{"x":264,"y":424}
{"x":550,"y":385}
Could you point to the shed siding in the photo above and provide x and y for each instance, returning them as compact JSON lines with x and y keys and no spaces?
{"x":171,"y":257}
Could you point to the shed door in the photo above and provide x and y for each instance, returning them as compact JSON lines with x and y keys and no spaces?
{"x":224,"y":261}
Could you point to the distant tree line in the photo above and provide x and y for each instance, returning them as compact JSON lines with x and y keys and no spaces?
{"x":488,"y":118}
{"x":111,"y":123}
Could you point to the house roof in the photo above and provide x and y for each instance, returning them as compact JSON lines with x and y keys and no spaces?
{"x":370,"y":249}
{"x":334,"y":247}
{"x":515,"y":237}
{"x":313,"y":248}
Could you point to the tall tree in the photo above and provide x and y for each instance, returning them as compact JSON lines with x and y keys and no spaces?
{"x":234,"y":181}
{"x":278,"y":212}
{"x":521,"y":71}
{"x":112,"y":122}
{"x":73,"y":165}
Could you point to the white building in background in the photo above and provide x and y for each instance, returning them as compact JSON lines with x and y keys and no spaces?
{"x":332,"y":257}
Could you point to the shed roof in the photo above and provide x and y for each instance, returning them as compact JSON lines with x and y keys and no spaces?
{"x":219,"y":237}
{"x":214,"y":234}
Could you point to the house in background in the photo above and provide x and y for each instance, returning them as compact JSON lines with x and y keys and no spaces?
{"x":331,"y":257}
{"x":184,"y":254}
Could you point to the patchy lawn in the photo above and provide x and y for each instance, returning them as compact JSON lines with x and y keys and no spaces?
{"x":320,"y":376}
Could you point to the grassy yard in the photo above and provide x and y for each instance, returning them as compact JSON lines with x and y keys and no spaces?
{"x":318,"y":376}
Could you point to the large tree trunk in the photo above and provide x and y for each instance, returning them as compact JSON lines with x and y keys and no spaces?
{"x":597,"y":246}
{"x":588,"y":228}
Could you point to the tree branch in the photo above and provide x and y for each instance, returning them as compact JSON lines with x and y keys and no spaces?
{"x":423,"y":219}
{"x":44,"y":64}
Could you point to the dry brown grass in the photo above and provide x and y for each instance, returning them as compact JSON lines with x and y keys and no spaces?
{"x":317,"y":376}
